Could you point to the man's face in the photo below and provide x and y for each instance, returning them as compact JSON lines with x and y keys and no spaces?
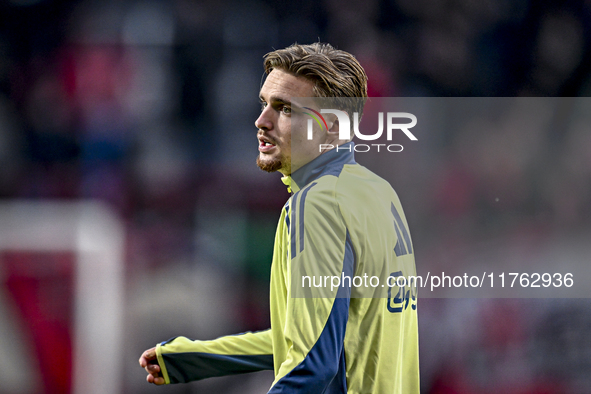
{"x":277,"y":121}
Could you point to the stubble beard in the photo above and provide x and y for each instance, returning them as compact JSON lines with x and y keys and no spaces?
{"x":269,"y":165}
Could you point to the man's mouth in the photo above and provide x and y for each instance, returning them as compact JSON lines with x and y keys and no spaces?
{"x":265,"y":145}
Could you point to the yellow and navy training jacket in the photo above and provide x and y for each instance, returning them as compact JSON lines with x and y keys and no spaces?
{"x":342,"y":221}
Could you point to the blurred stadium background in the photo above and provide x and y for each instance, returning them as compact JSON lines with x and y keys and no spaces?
{"x":127,"y":147}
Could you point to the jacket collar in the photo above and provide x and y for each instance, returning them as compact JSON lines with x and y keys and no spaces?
{"x":328,"y":163}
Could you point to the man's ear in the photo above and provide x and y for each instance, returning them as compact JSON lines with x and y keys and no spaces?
{"x":334,"y":128}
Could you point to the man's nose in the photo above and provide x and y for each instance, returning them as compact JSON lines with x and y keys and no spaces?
{"x":264,"y":121}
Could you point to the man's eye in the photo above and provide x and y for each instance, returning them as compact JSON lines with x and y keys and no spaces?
{"x":286,"y":110}
{"x":263,"y":105}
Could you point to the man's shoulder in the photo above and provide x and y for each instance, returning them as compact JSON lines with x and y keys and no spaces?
{"x":361,"y":179}
{"x":353,"y":183}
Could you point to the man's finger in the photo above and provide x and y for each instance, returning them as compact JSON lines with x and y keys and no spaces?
{"x":152,"y":368}
{"x":150,"y":353}
{"x":157,"y":380}
{"x":147,"y":356}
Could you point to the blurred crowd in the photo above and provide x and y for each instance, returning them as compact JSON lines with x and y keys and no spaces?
{"x":149,"y":106}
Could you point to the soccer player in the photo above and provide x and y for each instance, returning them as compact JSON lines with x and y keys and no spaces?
{"x":342,"y":221}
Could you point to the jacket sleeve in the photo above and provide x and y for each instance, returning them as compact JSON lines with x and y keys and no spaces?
{"x":316,"y":317}
{"x":183,"y":360}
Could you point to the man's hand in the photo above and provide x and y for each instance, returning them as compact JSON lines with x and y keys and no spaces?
{"x":149,"y":362}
